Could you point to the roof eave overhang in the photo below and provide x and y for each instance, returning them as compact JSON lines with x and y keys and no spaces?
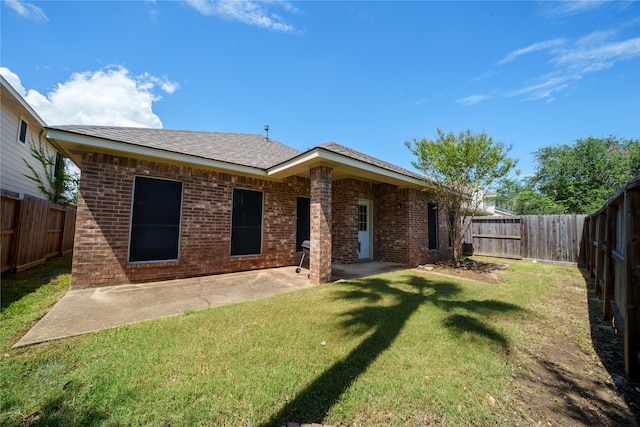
{"x":19,"y":100}
{"x":343,"y":166}
{"x":73,"y":146}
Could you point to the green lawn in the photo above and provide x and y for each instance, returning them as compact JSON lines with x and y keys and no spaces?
{"x":400,"y":348}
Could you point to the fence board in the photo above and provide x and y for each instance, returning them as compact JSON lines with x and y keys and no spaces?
{"x":556,"y":238}
{"x":613,"y":259}
{"x":68,"y":231}
{"x":34,"y":230}
{"x":632,"y":282}
{"x":9,"y":214}
{"x":54,"y":231}
{"x":495,"y":236}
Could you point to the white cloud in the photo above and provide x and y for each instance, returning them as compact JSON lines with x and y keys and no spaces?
{"x":485,"y":76}
{"x":572,"y":7}
{"x":108,"y":97}
{"x":571,"y":60}
{"x":254,"y":13}
{"x":13,"y":79}
{"x":531,"y":48}
{"x":27,"y":10}
{"x":473,"y":99}
{"x":544,"y":86}
{"x":594,"y":57}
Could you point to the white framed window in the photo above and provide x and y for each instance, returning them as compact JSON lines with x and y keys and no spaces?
{"x":23,"y":131}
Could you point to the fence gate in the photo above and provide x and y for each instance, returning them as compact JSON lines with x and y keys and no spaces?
{"x":496,"y":236}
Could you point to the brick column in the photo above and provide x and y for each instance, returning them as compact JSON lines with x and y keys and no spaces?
{"x":320,"y":257}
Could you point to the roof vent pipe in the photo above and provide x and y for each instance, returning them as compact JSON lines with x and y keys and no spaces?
{"x":266,"y":131}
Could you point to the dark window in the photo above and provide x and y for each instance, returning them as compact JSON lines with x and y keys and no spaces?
{"x":56,"y":166}
{"x":246,"y":223}
{"x":155,"y":220}
{"x":432,"y":223}
{"x":22,"y":132}
{"x":303,"y":227}
{"x":362,"y":218}
{"x":452,"y":218}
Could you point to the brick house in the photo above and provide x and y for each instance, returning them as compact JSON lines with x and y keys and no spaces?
{"x":160,"y":204}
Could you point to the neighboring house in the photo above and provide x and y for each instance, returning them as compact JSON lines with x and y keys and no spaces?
{"x":161,"y":204}
{"x":486,"y":202}
{"x":20,"y":127}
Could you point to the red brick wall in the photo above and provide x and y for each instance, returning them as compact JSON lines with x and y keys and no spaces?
{"x":392,"y":224}
{"x":346,"y":193}
{"x":419,"y":252}
{"x":104,"y":209}
{"x":321,"y":220}
{"x":400,"y":229}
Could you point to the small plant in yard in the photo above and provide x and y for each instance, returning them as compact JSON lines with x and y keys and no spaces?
{"x":402,"y":348}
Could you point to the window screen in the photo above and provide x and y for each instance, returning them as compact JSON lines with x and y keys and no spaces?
{"x":56,"y":166}
{"x":432,"y":223}
{"x":246,"y":223}
{"x":452,"y":218}
{"x":22,"y":132}
{"x":303,"y":228}
{"x":155,"y":220}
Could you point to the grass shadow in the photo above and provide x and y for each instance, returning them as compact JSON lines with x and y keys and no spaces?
{"x":59,"y":410}
{"x":16,"y":286}
{"x":383,"y":308}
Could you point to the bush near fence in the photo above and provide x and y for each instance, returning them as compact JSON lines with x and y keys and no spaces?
{"x":33,"y":230}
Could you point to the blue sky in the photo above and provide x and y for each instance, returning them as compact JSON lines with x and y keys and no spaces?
{"x":366,"y":74}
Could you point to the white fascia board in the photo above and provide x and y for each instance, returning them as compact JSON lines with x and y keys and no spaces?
{"x":88,"y":142}
{"x":331,"y":157}
{"x":22,"y":101}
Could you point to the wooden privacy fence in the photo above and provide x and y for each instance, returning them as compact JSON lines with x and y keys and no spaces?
{"x":613,"y":259}
{"x":554,"y":238}
{"x":34,"y":230}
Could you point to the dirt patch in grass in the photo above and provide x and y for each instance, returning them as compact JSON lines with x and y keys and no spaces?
{"x":570,"y":368}
{"x":470,"y":269}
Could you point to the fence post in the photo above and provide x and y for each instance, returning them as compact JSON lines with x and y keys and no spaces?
{"x":11,"y":230}
{"x":592,"y":250}
{"x":609,"y":266}
{"x":586,"y":241}
{"x":601,"y":227}
{"x":632,"y":260}
{"x":61,"y":238}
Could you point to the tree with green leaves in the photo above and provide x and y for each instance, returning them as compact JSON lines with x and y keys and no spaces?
{"x":520,"y":197}
{"x":573,"y":179}
{"x":583,"y":176}
{"x":457,"y":167}
{"x":58,"y":184}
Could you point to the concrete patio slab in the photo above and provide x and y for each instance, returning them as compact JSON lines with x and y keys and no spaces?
{"x":86,"y":310}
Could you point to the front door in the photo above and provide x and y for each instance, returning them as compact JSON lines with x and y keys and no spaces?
{"x":364,"y":229}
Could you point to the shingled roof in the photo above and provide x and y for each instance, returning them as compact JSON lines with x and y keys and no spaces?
{"x":353,"y":154}
{"x":262,"y":156}
{"x":240,"y":149}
